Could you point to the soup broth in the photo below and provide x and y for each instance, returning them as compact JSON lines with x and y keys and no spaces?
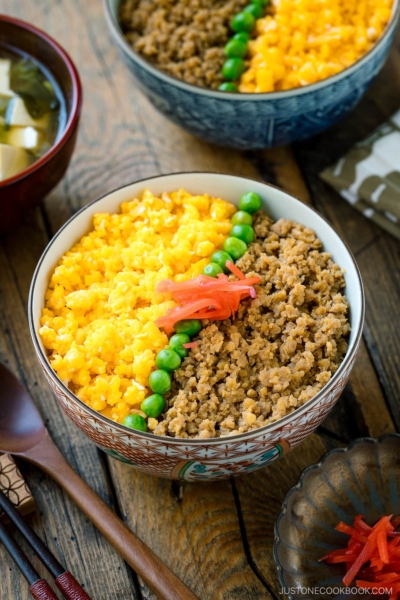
{"x":31,"y":112}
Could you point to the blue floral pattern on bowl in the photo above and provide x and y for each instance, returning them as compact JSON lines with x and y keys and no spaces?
{"x":196,"y":471}
{"x":254,"y":121}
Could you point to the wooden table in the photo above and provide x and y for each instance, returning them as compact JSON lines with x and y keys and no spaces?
{"x":217,"y":537}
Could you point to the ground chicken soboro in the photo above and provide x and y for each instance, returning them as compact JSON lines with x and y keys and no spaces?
{"x":185,"y":38}
{"x":281,"y":350}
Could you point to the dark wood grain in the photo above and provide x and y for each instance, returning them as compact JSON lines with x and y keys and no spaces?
{"x":260,"y":502}
{"x":216,"y":537}
{"x":198,"y":535}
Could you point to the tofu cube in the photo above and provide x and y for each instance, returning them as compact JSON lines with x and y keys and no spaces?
{"x":5,"y":67}
{"x":12,"y":161}
{"x":24,"y":137}
{"x":18,"y":116}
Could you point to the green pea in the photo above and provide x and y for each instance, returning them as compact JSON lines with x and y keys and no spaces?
{"x":242,"y":218}
{"x":189,"y":326}
{"x":160,"y":381}
{"x":135,"y":422}
{"x":243,"y":36}
{"x":227,"y":86}
{"x":243,"y":232}
{"x":235,"y":48}
{"x":233,"y":68}
{"x":243,"y":21}
{"x":212,"y":269}
{"x":220,"y":257}
{"x":250,"y":202}
{"x":176,"y":343}
{"x":168,"y":359}
{"x":254,"y":9}
{"x":235,"y":247}
{"x":153,"y":405}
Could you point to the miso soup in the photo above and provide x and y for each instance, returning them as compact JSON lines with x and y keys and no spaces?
{"x":32,"y":112}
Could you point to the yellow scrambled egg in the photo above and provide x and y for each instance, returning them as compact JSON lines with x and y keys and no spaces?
{"x":101,"y":304}
{"x":301,"y":42}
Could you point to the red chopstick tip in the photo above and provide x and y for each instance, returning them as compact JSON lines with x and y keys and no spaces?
{"x":41,"y":590}
{"x":70,"y":587}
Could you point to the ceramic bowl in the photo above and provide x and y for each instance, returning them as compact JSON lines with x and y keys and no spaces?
{"x":252,"y":121}
{"x":361,"y":479}
{"x":200,"y":459}
{"x":28,"y":188}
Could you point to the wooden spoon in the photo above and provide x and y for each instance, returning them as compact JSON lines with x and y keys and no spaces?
{"x":22,"y":433}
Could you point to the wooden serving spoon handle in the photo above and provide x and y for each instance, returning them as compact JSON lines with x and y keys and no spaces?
{"x":147,"y":565}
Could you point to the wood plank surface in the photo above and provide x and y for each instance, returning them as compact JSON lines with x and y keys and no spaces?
{"x":217,"y":537}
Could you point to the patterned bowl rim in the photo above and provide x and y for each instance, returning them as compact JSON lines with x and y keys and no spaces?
{"x":317,"y":466}
{"x":281,"y":95}
{"x":74,"y":113}
{"x":221,"y":440}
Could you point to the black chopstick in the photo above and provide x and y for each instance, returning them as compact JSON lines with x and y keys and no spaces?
{"x":38,"y":587}
{"x":33,"y":540}
{"x":64,"y":580}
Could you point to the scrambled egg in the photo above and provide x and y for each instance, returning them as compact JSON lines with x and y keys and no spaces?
{"x":304,"y":41}
{"x":101,"y":304}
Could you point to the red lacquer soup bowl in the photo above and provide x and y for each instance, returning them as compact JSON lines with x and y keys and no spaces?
{"x":28,"y":188}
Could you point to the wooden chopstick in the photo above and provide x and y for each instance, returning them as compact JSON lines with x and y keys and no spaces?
{"x":38,"y":587}
{"x":65,"y":582}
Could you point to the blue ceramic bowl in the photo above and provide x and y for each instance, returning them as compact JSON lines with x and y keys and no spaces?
{"x":254,"y":121}
{"x":361,"y":479}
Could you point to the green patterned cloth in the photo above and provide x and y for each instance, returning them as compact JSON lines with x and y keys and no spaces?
{"x":368,"y":176}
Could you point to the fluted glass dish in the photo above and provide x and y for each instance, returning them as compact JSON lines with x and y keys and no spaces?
{"x":363,"y":478}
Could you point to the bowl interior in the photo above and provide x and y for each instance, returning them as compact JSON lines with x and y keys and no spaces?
{"x":365,"y":479}
{"x":19,"y":37}
{"x":275,"y":203}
